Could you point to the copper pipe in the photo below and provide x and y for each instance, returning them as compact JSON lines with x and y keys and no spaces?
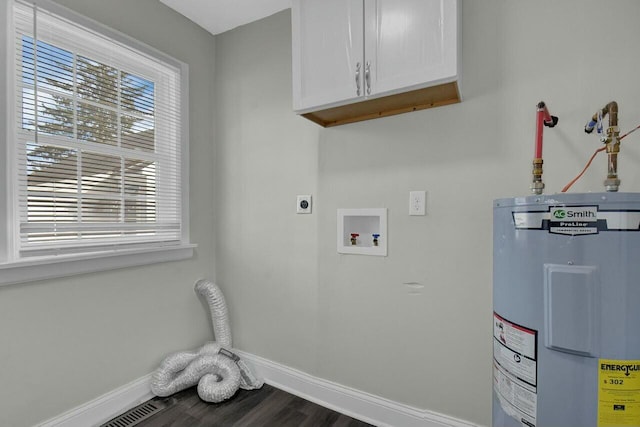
{"x":612,"y":141}
{"x":611,"y":109}
{"x":613,"y":113}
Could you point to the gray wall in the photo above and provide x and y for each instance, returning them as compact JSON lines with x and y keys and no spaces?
{"x":349,"y":318}
{"x":293,"y":299}
{"x":64,"y":342}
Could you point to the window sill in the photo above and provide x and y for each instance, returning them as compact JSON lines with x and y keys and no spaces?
{"x":69,"y":265}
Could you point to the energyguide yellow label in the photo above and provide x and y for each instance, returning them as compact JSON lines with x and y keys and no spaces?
{"x":618,"y":393}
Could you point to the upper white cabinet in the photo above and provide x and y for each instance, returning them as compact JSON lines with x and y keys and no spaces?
{"x":359,"y":59}
{"x":328,"y":51}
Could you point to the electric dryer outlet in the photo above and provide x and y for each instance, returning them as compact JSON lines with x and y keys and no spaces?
{"x":303,"y":205}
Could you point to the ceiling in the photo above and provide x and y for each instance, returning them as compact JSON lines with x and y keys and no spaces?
{"x":218,"y":16}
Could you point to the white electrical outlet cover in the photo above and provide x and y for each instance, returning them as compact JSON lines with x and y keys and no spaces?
{"x":417,"y":202}
{"x":303,"y":205}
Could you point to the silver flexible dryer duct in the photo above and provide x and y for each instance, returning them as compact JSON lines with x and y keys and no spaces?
{"x":218,"y":377}
{"x":214,"y":367}
{"x":218,"y":308}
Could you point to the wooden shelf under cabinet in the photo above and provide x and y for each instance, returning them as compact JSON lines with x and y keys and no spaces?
{"x":419,"y":99}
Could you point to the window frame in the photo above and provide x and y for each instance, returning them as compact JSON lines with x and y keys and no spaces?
{"x":14,"y":269}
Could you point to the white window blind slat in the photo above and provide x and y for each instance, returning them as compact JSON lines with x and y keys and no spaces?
{"x":98,"y":140}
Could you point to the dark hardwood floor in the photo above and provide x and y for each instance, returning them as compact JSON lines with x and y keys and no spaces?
{"x":267,"y":407}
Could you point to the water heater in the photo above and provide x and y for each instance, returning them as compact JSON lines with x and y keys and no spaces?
{"x":566,"y":322}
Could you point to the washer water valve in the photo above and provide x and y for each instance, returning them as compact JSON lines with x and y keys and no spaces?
{"x":354,"y":238}
{"x":375,"y":239}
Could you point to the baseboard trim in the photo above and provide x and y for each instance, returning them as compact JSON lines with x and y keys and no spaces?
{"x":102,"y":409}
{"x":357,"y":404}
{"x":366,"y":407}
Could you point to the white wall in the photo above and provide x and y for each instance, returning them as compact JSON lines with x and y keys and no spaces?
{"x":349,"y":318}
{"x":64,"y":342}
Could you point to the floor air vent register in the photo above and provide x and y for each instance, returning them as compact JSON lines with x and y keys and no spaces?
{"x":136,"y":415}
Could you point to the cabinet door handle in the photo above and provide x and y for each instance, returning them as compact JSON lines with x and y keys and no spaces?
{"x":367,"y":77}
{"x":358,"y":79}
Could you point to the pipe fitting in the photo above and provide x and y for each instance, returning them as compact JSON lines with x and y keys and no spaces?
{"x":613,"y":148}
{"x":612,"y":184}
{"x":537,"y":186}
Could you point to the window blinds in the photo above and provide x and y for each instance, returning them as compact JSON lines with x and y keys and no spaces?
{"x":97,"y":142}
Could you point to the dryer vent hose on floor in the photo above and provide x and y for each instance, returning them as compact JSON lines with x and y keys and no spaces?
{"x":214,"y":367}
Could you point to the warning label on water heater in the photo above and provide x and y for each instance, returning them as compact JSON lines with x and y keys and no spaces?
{"x":515,"y":374}
{"x":618,"y":393}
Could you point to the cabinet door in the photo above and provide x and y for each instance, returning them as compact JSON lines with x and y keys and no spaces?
{"x":410,"y":43}
{"x":328,"y":51}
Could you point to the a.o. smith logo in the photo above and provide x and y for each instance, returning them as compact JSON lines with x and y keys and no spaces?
{"x":573,"y":220}
{"x":560,"y":214}
{"x":576,"y":214}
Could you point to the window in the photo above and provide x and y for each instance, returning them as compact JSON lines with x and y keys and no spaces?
{"x":97,"y":149}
